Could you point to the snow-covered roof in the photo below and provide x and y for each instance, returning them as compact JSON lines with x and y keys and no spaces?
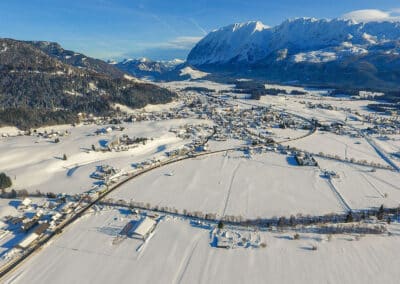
{"x":145,"y":226}
{"x":26,"y":202}
{"x":28,"y":240}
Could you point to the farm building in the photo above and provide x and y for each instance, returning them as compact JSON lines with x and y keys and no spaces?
{"x":144,"y":228}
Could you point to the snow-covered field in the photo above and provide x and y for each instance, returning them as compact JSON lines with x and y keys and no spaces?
{"x":340,"y":145}
{"x":362,"y":188}
{"x":390,"y":145}
{"x":180,"y":85}
{"x":35,"y":163}
{"x":229,"y":184}
{"x":180,"y":253}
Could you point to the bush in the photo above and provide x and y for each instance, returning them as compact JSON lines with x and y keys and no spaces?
{"x":296,"y":236}
{"x":5,"y":181}
{"x":220,"y":225}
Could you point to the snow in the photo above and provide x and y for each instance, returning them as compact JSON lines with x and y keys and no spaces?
{"x":340,"y":145}
{"x":330,"y":54}
{"x":315,"y":57}
{"x":192,"y":73}
{"x":313,"y":40}
{"x":179,"y":252}
{"x":145,"y":226}
{"x":180,"y":85}
{"x":7,"y":209}
{"x":131,"y":78}
{"x":228,"y":184}
{"x":9,"y":131}
{"x":38,"y":166}
{"x":362,"y":188}
{"x":148,"y":108}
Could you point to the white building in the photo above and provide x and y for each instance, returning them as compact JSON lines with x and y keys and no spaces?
{"x":144,"y":228}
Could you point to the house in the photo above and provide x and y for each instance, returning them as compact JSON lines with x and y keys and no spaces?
{"x":223,"y":242}
{"x":305,"y":159}
{"x":28,"y":240}
{"x":113,"y":142}
{"x":144,"y":228}
{"x":29,"y":224}
{"x":26,"y":202}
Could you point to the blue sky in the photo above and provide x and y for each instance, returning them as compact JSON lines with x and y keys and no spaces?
{"x":159,"y":29}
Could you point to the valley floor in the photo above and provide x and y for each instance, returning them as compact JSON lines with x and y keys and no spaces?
{"x":230,"y":164}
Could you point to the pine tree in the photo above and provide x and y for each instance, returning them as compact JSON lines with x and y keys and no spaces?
{"x":5,"y":181}
{"x":380,"y":212}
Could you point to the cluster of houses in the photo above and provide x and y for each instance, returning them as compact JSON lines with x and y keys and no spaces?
{"x":37,"y":220}
{"x":51,"y":134}
{"x":193,"y":131}
{"x":107,"y":173}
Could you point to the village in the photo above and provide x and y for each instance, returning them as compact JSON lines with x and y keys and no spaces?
{"x":229,"y":129}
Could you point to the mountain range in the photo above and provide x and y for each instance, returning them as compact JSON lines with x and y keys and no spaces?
{"x":337,"y":53}
{"x":145,"y":67}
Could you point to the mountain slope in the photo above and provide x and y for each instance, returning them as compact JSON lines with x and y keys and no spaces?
{"x":77,"y":59}
{"x":38,"y":89}
{"x":331,"y":52}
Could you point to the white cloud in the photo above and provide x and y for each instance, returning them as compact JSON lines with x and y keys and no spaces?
{"x":180,"y":42}
{"x":177,"y":47}
{"x":184,"y":42}
{"x":373,"y":15}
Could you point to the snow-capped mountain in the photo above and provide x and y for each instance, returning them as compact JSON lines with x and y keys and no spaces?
{"x":144,"y":67}
{"x":302,"y":39}
{"x":307,"y":50}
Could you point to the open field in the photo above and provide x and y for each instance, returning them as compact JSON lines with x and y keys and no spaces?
{"x":229,"y":184}
{"x":362,"y":188}
{"x":340,"y":145}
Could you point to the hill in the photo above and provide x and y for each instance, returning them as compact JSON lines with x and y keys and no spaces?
{"x":41,"y":85}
